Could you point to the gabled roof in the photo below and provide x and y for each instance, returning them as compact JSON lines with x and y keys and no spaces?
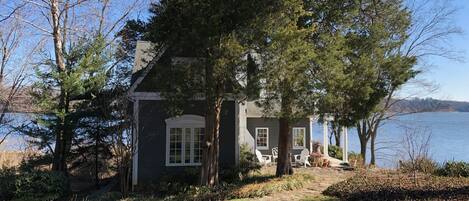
{"x":143,"y":53}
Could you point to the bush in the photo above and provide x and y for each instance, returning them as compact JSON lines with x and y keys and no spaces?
{"x":421,"y":164}
{"x":335,"y":152}
{"x":392,"y":185}
{"x":247,"y":164}
{"x":172,"y":183}
{"x":454,"y":169}
{"x":7,"y":183}
{"x":355,"y":160}
{"x":39,"y":185}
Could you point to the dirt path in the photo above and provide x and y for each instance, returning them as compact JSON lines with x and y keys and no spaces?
{"x":323,"y":178}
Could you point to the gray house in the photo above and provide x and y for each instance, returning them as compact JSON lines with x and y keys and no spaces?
{"x":165,"y":144}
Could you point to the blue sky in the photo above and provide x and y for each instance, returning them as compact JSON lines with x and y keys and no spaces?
{"x":453,"y":76}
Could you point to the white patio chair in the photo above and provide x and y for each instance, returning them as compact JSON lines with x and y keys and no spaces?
{"x":274,"y":154}
{"x":302,"y":158}
{"x":263,"y":159}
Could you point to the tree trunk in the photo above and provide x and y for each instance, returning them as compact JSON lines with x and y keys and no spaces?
{"x":63,"y":138}
{"x":373,"y":135}
{"x":57,"y":35}
{"x":372,"y":148}
{"x":96,"y":161}
{"x":337,"y":133}
{"x":285,"y":138}
{"x":362,"y":135}
{"x":209,"y":169}
{"x":210,"y":145}
{"x":58,"y":160}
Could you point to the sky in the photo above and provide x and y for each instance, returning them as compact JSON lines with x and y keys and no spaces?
{"x":452,"y":77}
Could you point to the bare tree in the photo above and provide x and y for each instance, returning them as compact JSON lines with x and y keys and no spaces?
{"x":415,"y":151}
{"x":9,"y":10}
{"x":65,"y":22}
{"x":14,"y":70}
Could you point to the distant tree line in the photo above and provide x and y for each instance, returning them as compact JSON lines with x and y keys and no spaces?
{"x":429,"y":105}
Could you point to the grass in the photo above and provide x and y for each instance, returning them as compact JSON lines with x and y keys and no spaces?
{"x":11,"y":159}
{"x":262,"y":186}
{"x":393,"y":185}
{"x":257,"y":185}
{"x":319,"y":198}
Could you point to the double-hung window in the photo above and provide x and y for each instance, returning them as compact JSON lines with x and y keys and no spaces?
{"x":184,"y":137}
{"x":262,"y":138}
{"x":299,"y":137}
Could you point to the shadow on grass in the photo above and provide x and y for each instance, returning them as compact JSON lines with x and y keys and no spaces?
{"x":257,"y":185}
{"x":256,"y":179}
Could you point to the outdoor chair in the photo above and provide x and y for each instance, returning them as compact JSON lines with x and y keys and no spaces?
{"x":263,"y":159}
{"x":274,"y":154}
{"x":303,"y":158}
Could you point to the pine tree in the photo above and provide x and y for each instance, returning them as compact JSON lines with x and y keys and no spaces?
{"x":286,"y":74}
{"x":59,"y":123}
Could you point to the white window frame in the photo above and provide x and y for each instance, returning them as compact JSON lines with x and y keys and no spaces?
{"x":304,"y":137}
{"x":183,"y":122}
{"x":267,"y":141}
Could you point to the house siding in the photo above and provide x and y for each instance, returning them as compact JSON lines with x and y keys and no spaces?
{"x":273,"y":125}
{"x":152,"y":138}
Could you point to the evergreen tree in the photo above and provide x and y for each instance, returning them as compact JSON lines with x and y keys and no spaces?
{"x":61,"y":121}
{"x":360,"y":63}
{"x":216,"y":35}
{"x":287,"y":80}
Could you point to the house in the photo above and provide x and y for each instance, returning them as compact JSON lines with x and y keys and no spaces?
{"x":167,"y":145}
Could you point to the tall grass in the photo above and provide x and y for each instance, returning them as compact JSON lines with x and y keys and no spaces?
{"x":9,"y":159}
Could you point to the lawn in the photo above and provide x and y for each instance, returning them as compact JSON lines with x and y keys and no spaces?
{"x":257,"y":185}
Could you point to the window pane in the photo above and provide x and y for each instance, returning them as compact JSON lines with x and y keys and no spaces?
{"x":298,"y":137}
{"x":198,"y":138}
{"x":175,"y":145}
{"x":262,"y":137}
{"x":187,"y":145}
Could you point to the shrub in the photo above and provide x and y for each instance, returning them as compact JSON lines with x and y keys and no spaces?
{"x":7,"y":183}
{"x":335,"y":152}
{"x":421,"y":164}
{"x":355,"y":160}
{"x":454,"y":169}
{"x":247,"y":164}
{"x":174,"y":183}
{"x":392,"y":185}
{"x":39,"y":185}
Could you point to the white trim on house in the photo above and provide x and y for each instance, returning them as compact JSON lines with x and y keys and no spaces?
{"x":345,"y":144}
{"x":158,"y":96}
{"x":304,"y":137}
{"x":311,"y":123}
{"x":237,"y":131}
{"x":267,"y":140}
{"x":147,"y":96}
{"x":183,"y":122}
{"x":135,"y":143}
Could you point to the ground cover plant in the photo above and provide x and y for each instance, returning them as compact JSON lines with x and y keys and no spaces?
{"x":257,"y":185}
{"x":394,"y":185}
